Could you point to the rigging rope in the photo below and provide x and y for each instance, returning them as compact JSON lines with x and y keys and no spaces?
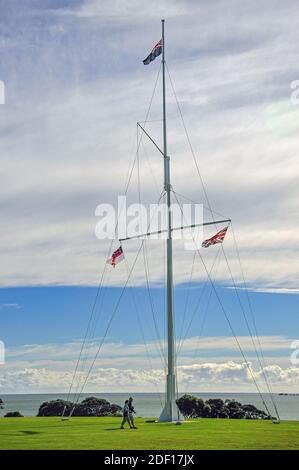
{"x":207,"y":199}
{"x":188,"y":139}
{"x":227,"y":318}
{"x":186,"y":300}
{"x":262,"y":357}
{"x":263,"y":366}
{"x":196,"y":202}
{"x":106,"y":331}
{"x":99,"y":288}
{"x":250,"y":332}
{"x":87,"y":331}
{"x":143,"y":337}
{"x":183,"y":338}
{"x":204,"y":317}
{"x":151,"y":302}
{"x":110,"y":321}
{"x":259,"y":354}
{"x":198,"y":302}
{"x":96,"y":318}
{"x":146,"y":265}
{"x":93,"y":310}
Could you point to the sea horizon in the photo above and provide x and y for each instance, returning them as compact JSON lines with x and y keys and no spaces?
{"x":149,"y":404}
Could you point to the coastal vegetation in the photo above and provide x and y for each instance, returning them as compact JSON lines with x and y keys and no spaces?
{"x":13,"y":414}
{"x":194,"y":407}
{"x":90,"y":406}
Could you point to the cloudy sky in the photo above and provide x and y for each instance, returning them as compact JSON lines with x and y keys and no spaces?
{"x":75,"y":86}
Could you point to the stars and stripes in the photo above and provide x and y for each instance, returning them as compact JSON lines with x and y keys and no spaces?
{"x":116,"y":257}
{"x":155,"y":52}
{"x":217,"y":238}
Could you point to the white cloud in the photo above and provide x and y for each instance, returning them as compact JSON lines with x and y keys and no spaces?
{"x":120,"y":350}
{"x":50,"y":367}
{"x":274,"y":290}
{"x":238,"y":374}
{"x":227,"y":376}
{"x":12,"y":305}
{"x":126,"y":9}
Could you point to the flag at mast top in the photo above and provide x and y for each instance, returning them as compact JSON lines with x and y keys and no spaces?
{"x":155,"y":52}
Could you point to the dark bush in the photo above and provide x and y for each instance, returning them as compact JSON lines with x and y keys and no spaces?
{"x":190,"y":406}
{"x":13,"y":414}
{"x":90,"y":406}
{"x":217,"y":408}
{"x":54,"y":408}
{"x":206,"y":411}
{"x":238,"y":415}
{"x":232,"y":405}
{"x":221,"y":414}
{"x":194,"y":407}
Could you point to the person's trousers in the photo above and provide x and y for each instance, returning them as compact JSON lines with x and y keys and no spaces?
{"x":125,"y":420}
{"x":131,"y":418}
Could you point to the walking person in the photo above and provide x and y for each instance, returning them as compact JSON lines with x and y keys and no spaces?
{"x":126,"y":417}
{"x":131,"y":413}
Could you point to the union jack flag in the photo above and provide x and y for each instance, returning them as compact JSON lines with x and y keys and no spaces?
{"x":218,"y":238}
{"x":116,"y":257}
{"x":155,"y":52}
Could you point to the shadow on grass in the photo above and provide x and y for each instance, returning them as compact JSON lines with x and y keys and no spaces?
{"x":30,"y":433}
{"x":119,"y":429}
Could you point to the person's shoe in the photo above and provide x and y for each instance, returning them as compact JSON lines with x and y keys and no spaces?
{"x":121,"y":427}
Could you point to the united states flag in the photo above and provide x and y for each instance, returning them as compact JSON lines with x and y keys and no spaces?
{"x":218,"y":238}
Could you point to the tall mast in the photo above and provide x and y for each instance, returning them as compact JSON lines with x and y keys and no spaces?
{"x":170,"y":411}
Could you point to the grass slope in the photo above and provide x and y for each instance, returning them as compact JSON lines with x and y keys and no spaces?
{"x":104,"y":433}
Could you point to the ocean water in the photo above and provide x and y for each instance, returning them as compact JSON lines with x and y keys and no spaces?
{"x":150,"y":404}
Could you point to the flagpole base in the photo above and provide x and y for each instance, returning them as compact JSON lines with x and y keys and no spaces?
{"x":170,"y":412}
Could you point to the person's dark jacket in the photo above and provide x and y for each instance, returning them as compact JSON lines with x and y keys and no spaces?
{"x":131,"y":408}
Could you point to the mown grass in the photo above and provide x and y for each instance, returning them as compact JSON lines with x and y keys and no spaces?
{"x":104,"y":433}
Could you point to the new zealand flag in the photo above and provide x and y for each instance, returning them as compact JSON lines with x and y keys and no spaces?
{"x":155,"y":52}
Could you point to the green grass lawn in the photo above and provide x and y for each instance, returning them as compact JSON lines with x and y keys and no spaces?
{"x":104,"y":433}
